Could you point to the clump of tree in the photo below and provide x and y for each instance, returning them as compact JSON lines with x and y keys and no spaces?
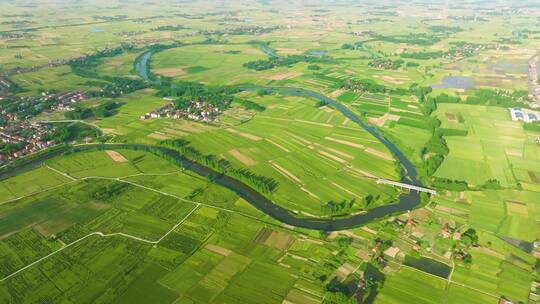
{"x":364,"y":85}
{"x":445,"y":29}
{"x":491,"y":184}
{"x":416,"y":39}
{"x":334,"y":207}
{"x":105,"y":109}
{"x":170,"y":28}
{"x":249,"y":105}
{"x":79,"y":113}
{"x":118,"y":86}
{"x":64,"y":132}
{"x":448,"y":184}
{"x":386,"y":64}
{"x":273,"y":62}
{"x":422,"y":55}
{"x":108,"y":192}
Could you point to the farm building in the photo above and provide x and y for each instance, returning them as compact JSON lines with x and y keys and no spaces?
{"x":525,"y":115}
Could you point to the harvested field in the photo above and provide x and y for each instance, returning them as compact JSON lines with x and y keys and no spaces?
{"x":393,"y":80}
{"x":111,"y":131}
{"x":344,"y":270}
{"x":380,"y":154}
{"x":218,"y":249}
{"x":343,"y":154}
{"x":262,"y":235}
{"x":516,"y":208}
{"x":451,"y":210}
{"x":158,"y":136}
{"x":327,"y":109}
{"x":170,"y":72}
{"x":382,"y":120}
{"x":315,"y":123}
{"x":451,"y":117}
{"x":286,"y":173}
{"x":243,"y":134}
{"x":344,"y":189}
{"x":288,"y":51}
{"x":284,"y":76}
{"x":362,"y":173}
{"x":246,"y":160}
{"x":345,"y":142}
{"x":192,"y":127}
{"x":533,"y":177}
{"x":309,"y":192}
{"x":275,"y":239}
{"x":336,"y":93}
{"x":277,"y":145}
{"x":174,"y":132}
{"x":117,"y":157}
{"x":333,"y":157}
{"x":300,"y":139}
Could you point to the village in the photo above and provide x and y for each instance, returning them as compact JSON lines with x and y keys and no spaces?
{"x":18,"y":135}
{"x":194,"y":110}
{"x":23,"y":138}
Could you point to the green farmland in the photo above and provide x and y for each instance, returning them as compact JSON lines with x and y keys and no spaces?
{"x":269,"y":152}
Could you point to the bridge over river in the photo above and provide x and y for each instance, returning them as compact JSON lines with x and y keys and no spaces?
{"x":406,"y":186}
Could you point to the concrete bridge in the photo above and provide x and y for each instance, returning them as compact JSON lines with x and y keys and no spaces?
{"x":406,"y":186}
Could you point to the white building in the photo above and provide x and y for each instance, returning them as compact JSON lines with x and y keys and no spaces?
{"x":525,"y":115}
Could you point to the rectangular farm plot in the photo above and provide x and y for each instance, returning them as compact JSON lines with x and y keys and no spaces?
{"x":218,"y":279}
{"x":243,"y":158}
{"x":148,"y":163}
{"x":275,"y":239}
{"x":92,"y":163}
{"x":116,"y":156}
{"x":29,"y":182}
{"x":493,"y":147}
{"x":412,"y":286}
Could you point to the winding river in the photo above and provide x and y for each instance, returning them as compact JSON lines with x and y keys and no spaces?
{"x":406,"y":201}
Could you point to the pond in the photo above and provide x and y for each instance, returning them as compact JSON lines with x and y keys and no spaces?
{"x":428,"y":265}
{"x":455,"y":82}
{"x":318,"y":53}
{"x":96,"y":30}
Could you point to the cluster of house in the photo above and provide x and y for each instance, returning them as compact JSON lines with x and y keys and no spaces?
{"x":525,"y":115}
{"x":466,"y":50}
{"x":65,"y":100}
{"x":196,"y":110}
{"x":29,"y":143}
